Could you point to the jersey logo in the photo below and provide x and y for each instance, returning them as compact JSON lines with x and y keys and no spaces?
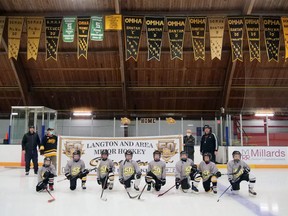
{"x":205,"y":174}
{"x":128,"y":171}
{"x":237,"y":175}
{"x":188,"y":170}
{"x":156,"y":170}
{"x":103,"y":169}
{"x":75,"y":171}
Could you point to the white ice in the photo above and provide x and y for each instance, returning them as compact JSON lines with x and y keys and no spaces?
{"x":18,"y":197}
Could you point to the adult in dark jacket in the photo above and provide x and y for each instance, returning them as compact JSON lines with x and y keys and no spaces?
{"x":188,"y":143}
{"x":30,"y":142}
{"x":209,"y":143}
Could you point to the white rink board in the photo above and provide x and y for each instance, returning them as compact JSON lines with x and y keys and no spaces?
{"x":262,"y":155}
{"x":143,"y":148}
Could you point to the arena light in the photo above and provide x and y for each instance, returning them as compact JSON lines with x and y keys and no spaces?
{"x":14,"y":114}
{"x":78,"y":113}
{"x":264,"y":114}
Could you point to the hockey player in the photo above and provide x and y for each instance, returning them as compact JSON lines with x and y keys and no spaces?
{"x":242,"y":175}
{"x":185,"y":171}
{"x":75,"y":169}
{"x":129,"y":170}
{"x":46,"y":175}
{"x":209,"y":173}
{"x":48,"y":146}
{"x":105,"y":170}
{"x":156,"y":172}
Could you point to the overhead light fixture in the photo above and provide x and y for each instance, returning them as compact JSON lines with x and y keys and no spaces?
{"x":14,"y":114}
{"x":78,"y":113}
{"x":264,"y":114}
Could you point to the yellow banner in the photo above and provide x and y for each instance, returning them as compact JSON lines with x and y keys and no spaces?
{"x":216,"y":30}
{"x":2,"y":24}
{"x":34,"y":27}
{"x":285,"y":32}
{"x":15,"y":25}
{"x":113,"y":22}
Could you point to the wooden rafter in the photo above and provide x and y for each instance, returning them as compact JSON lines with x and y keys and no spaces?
{"x":20,"y":76}
{"x":247,"y":10}
{"x":122,"y":59}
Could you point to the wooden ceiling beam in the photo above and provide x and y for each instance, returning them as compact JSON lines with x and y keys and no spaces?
{"x":231,"y":67}
{"x":19,"y":73}
{"x":121,"y":58}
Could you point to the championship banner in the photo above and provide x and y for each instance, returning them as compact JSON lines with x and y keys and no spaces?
{"x":198,"y":30}
{"x":253,"y":35}
{"x":235,"y":25}
{"x":14,"y":35}
{"x":2,"y":24}
{"x":52,"y":28}
{"x":272,"y":37}
{"x":142,"y":147}
{"x":154,"y":29}
{"x":285,"y":33}
{"x":68,"y":29}
{"x":83,"y":35}
{"x":97,"y":32}
{"x":216,"y":31}
{"x":113,"y":22}
{"x":176,"y":32}
{"x":132,"y":31}
{"x":34,"y":28}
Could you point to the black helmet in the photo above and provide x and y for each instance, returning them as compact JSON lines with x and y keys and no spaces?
{"x":207,"y":126}
{"x":104,"y":151}
{"x":129,"y":152}
{"x":156,"y":152}
{"x":183,"y":152}
{"x":236,"y":152}
{"x":47,"y":159}
{"x":77,"y":152}
{"x":207,"y":154}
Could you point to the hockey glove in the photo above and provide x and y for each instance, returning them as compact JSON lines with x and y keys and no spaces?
{"x":98,"y":181}
{"x":68,"y":176}
{"x":46,"y":174}
{"x":218,"y":174}
{"x":177,"y":182}
{"x":121,"y":180}
{"x":138,"y":175}
{"x":163,"y":182}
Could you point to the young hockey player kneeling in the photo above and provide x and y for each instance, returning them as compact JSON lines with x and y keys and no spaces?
{"x":209,"y":173}
{"x":75,"y":169}
{"x":186,"y":171}
{"x":238,"y":175}
{"x":129,"y":170}
{"x":46,"y":175}
{"x":105,"y":175}
{"x":156,"y":172}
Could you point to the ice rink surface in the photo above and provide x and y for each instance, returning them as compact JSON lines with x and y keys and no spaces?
{"x":18,"y":197}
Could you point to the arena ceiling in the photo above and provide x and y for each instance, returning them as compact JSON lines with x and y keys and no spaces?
{"x":110,"y":86}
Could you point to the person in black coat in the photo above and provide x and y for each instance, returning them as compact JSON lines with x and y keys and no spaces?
{"x":209,"y":143}
{"x":188,"y":143}
{"x":30,"y":142}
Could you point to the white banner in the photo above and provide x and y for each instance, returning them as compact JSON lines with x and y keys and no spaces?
{"x":261,"y":155}
{"x":142,"y":147}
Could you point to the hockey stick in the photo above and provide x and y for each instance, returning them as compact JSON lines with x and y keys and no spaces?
{"x":224,"y":192}
{"x":166,"y":191}
{"x":131,"y":197}
{"x":234,"y":173}
{"x":142,"y":191}
{"x":75,"y":176}
{"x":103,"y":188}
{"x":53,"y":198}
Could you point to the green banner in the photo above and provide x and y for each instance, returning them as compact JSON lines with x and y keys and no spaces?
{"x":96,"y":29}
{"x":69,"y":24}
